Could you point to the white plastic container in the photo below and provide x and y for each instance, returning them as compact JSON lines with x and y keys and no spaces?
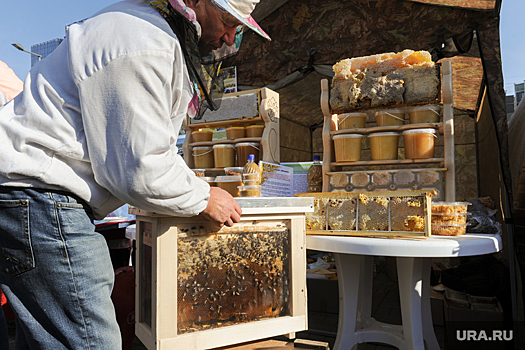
{"x":250,"y":191}
{"x":229,"y":184}
{"x":224,"y":155}
{"x":203,"y":157}
{"x":419,"y":143}
{"x":351,"y":121}
{"x":424,"y":114}
{"x":383,"y":145}
{"x":347,"y":147}
{"x":202,"y":135}
{"x":390,"y":117}
{"x":244,"y":149}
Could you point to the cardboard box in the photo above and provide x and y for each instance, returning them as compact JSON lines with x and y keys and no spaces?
{"x":480,"y":320}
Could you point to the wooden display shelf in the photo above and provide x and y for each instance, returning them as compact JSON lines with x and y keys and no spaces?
{"x":389,"y":162}
{"x":241,"y":109}
{"x":225,"y":123}
{"x":396,"y":128}
{"x":226,"y":141}
{"x":445,"y":128}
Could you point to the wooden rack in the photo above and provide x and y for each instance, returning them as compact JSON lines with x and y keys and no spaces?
{"x":330,"y":128}
{"x":263,"y":107}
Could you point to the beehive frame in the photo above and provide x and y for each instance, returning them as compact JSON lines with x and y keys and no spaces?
{"x":318,"y":223}
{"x":158,"y":329}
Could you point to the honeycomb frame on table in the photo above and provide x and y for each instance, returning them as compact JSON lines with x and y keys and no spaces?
{"x":384,"y":213}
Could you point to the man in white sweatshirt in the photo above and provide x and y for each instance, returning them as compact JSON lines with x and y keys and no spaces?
{"x":96,"y":127}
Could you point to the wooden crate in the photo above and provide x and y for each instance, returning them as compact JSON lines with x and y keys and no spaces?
{"x":200,"y":287}
{"x":370,"y":214}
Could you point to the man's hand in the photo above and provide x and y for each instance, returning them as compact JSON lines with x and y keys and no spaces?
{"x":222,"y":209}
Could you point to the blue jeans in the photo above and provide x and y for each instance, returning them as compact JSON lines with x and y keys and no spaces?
{"x":56,"y":272}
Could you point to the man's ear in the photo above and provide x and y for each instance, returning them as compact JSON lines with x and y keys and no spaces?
{"x":193,"y":3}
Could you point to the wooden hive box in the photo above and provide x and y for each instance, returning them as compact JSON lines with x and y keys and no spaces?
{"x":201,"y":287}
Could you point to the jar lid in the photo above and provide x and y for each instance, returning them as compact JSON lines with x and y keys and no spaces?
{"x":207,"y":131}
{"x":199,"y":170}
{"x":250,"y":187}
{"x":207,"y":178}
{"x":384,"y":134}
{"x":255,"y":126}
{"x":228,"y":178}
{"x":384,"y":111}
{"x":236,"y":169}
{"x":451,"y":203}
{"x":344,"y":136}
{"x":355,"y":114}
{"x":418,"y":131}
{"x":253,"y":144}
{"x":223,"y":146}
{"x":424,"y":108}
{"x":202,"y":148}
{"x":234,"y":127}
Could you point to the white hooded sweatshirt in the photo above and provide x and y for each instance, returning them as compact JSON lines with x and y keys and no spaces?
{"x":100,"y":116}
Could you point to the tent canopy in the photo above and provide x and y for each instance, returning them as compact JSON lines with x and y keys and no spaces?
{"x":310,"y":36}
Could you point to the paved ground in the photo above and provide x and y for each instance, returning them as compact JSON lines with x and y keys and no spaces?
{"x":323,"y":325}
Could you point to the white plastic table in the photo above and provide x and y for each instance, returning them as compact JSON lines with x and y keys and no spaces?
{"x":354,"y":261}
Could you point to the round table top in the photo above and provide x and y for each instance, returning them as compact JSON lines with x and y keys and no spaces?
{"x":427,"y":247}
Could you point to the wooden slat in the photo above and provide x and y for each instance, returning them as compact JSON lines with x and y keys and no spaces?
{"x":390,"y":161}
{"x":394,"y":128}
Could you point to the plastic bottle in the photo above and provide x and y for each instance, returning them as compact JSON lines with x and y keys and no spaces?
{"x":251,"y":172}
{"x":315,"y":176}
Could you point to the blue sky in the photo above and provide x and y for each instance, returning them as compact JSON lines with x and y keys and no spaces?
{"x":46,"y":20}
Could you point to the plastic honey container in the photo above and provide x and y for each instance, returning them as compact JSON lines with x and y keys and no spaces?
{"x":250,"y":191}
{"x":347,"y":147}
{"x":419,"y":143}
{"x":199,"y":172}
{"x":224,"y":155}
{"x":424,"y":114}
{"x":383,"y":145}
{"x":203,"y":157}
{"x":351,"y":121}
{"x":235,"y":132}
{"x":202,"y":135}
{"x":234,"y":170}
{"x":244,"y":149}
{"x":390,"y":117}
{"x":210,"y":180}
{"x":254,"y":130}
{"x":229,"y":183}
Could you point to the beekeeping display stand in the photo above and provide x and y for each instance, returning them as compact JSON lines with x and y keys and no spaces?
{"x":239,"y":109}
{"x":330,"y":129}
{"x":200,"y":287}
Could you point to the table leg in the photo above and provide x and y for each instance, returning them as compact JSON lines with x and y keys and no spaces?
{"x":428,"y":327}
{"x":364,"y":300}
{"x":409,"y":273}
{"x":414,"y":293}
{"x":348,"y":275}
